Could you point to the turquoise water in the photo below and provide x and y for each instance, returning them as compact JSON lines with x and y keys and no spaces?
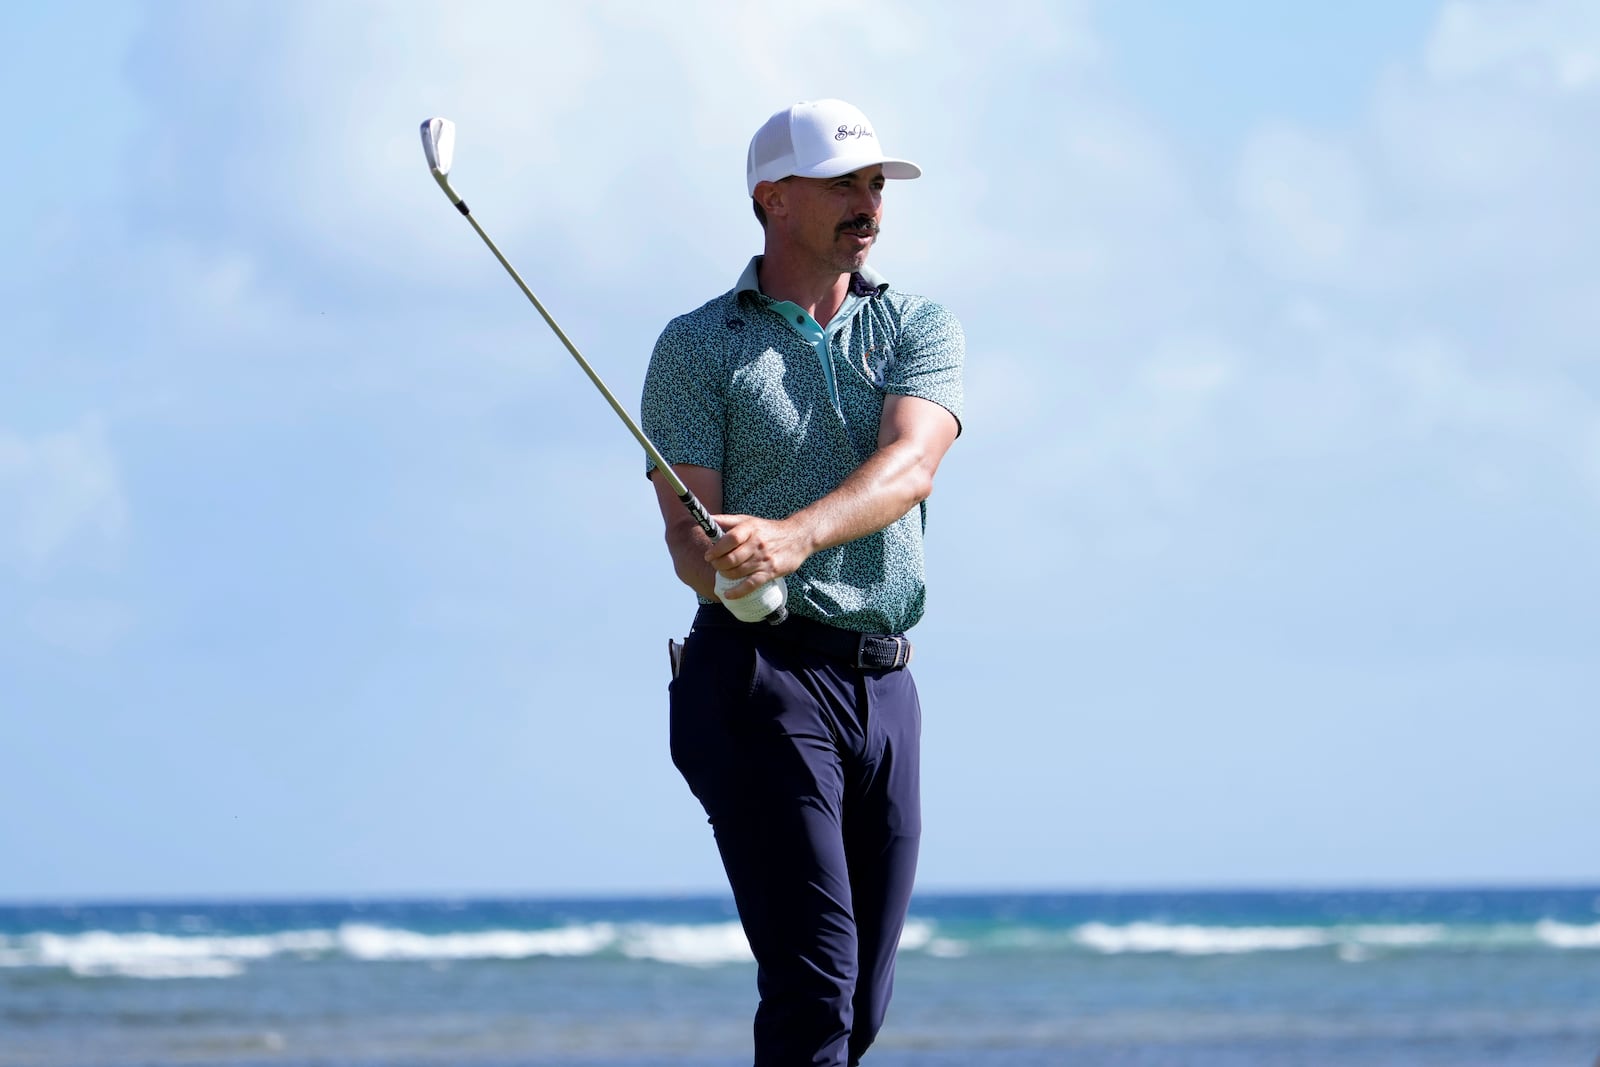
{"x":1459,"y":977}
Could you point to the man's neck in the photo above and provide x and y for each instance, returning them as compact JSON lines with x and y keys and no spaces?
{"x":820,"y":295}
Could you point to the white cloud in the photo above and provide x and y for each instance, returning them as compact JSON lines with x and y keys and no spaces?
{"x":1537,"y":43}
{"x":1437,"y":258}
{"x":61,"y":498}
{"x":603,"y":136}
{"x":1408,"y":296}
{"x":1303,"y":201}
{"x":1446,"y":393}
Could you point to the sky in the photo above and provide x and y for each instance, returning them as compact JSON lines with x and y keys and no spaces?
{"x":1267,"y":556}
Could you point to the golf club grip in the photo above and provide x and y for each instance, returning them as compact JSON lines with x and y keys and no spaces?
{"x":701,"y":516}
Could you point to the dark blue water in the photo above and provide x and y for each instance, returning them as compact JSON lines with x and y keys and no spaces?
{"x":1457,"y":977}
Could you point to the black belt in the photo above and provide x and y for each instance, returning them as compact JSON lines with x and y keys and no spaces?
{"x":881,"y":652}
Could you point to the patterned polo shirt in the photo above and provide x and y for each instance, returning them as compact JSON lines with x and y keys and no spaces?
{"x":786,"y":410}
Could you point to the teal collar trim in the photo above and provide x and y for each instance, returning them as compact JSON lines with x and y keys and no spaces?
{"x":864,"y":284}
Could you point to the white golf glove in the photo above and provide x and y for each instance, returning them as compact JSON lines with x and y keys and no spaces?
{"x":757,"y":605}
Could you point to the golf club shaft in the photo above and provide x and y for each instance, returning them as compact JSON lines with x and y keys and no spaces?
{"x":696,"y":509}
{"x":765,"y":604}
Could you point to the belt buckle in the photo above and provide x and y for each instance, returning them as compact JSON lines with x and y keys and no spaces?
{"x":902,"y":646}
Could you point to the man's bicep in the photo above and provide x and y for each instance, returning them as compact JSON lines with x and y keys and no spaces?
{"x":929,"y":361}
{"x":931,"y":427}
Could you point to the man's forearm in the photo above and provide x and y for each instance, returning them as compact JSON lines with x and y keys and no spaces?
{"x":890,"y":483}
{"x":913,"y":437}
{"x":687,"y":544}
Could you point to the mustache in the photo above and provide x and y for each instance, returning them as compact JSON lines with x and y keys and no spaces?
{"x":863,"y":224}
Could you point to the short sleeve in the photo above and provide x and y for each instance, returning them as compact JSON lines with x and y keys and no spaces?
{"x":682,"y":411}
{"x":929,"y":357}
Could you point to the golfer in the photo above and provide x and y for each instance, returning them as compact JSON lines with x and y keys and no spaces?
{"x":809,"y":408}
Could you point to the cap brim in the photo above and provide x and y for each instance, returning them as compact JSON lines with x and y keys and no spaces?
{"x":892,"y":168}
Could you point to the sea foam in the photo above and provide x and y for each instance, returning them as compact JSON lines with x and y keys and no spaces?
{"x":696,"y":946}
{"x":365,"y":942}
{"x":1354,"y":942}
{"x":1567,"y":935}
{"x":101,"y":953}
{"x":1193,"y":940}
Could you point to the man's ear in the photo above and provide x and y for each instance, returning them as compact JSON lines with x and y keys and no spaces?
{"x":772,"y":198}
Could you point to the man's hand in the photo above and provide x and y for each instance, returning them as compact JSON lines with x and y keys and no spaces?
{"x":754,"y":551}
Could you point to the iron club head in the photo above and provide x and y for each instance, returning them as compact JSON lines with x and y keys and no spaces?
{"x":439,"y":144}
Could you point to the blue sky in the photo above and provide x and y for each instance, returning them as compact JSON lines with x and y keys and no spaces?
{"x":1268,"y":556}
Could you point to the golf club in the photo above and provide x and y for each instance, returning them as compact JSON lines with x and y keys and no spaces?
{"x":438,"y":144}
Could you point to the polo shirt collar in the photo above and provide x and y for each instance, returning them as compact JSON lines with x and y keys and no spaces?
{"x":864,"y":282}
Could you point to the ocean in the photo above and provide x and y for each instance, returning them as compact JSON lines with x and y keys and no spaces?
{"x":1458,"y":977}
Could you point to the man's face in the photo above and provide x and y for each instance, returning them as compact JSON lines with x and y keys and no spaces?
{"x":835,"y":220}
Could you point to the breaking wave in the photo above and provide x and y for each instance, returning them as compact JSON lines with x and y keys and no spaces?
{"x":148,"y":955}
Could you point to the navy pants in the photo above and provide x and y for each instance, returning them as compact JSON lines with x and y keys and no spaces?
{"x":807,"y":767}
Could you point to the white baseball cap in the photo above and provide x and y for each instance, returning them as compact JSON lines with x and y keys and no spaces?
{"x":818,"y":139}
